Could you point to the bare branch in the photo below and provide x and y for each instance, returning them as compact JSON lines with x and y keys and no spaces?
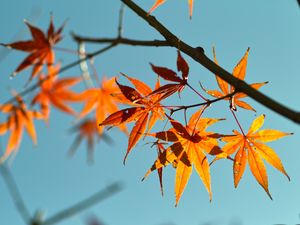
{"x":207,"y":103}
{"x":15,"y":193}
{"x":198,"y":55}
{"x":121,"y":16}
{"x":80,"y":206}
{"x":124,"y":41}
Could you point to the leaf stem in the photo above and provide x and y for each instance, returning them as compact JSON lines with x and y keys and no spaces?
{"x":88,"y":202}
{"x":237,"y":121}
{"x":205,"y":107}
{"x":201,"y":96}
{"x":69,"y":51}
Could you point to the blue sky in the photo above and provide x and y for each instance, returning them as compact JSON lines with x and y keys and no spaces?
{"x":50,"y":181}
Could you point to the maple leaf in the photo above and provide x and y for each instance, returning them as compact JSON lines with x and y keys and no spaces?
{"x":104,"y":100}
{"x":191,"y":145}
{"x":147,"y":111}
{"x":19,"y":118}
{"x":88,"y":130}
{"x":251,"y":147}
{"x":169,"y":75}
{"x":39,"y":48}
{"x":160,"y":2}
{"x":160,"y":153}
{"x":239,"y":72}
{"x":56,"y":92}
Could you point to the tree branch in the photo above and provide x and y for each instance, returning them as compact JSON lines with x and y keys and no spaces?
{"x":198,"y":55}
{"x":87,"y":203}
{"x":207,"y":103}
{"x":124,"y":41}
{"x":15,"y":193}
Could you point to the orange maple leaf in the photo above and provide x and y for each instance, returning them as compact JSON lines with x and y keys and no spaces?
{"x":191,"y":145}
{"x":56,"y":92}
{"x":251,"y":147}
{"x":160,"y":2}
{"x":104,"y":100}
{"x":39,"y":48}
{"x":239,"y":72}
{"x":19,"y":118}
{"x":87,"y":129}
{"x":147,"y":111}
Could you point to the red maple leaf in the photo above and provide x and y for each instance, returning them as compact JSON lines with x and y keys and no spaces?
{"x":40,"y":48}
{"x":147,"y":110}
{"x":169,"y":75}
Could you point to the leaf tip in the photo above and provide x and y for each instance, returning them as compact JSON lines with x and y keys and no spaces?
{"x":13,"y":75}
{"x":236,"y":184}
{"x":124,"y":160}
{"x":6,"y":45}
{"x":124,"y":75}
{"x":288,"y":177}
{"x":270,"y":196}
{"x":152,"y":66}
{"x":210,"y":197}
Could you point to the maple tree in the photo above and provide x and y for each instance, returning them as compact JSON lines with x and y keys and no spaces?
{"x":183,"y":145}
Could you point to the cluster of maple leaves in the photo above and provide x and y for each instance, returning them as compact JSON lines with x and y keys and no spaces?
{"x":184,"y":146}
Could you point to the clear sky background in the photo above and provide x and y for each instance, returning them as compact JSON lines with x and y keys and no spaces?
{"x":50,"y":181}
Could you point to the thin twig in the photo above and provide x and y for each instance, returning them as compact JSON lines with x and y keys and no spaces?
{"x":121,"y":16}
{"x":207,"y":103}
{"x":198,"y":55}
{"x":124,"y":41}
{"x":193,"y":89}
{"x":80,"y":206}
{"x":15,"y":193}
{"x":237,"y":121}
